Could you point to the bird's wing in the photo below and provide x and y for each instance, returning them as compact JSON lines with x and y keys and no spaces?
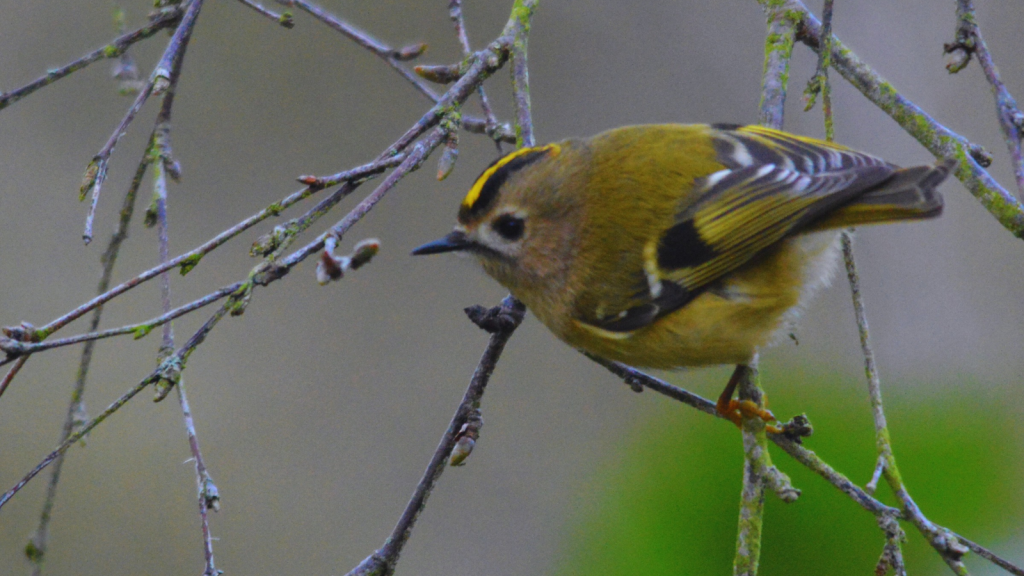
{"x":773,"y":185}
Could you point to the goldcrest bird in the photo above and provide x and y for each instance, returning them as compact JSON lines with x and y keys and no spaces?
{"x":666,"y":246}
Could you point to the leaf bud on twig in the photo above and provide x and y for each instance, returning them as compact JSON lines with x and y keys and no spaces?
{"x":410,"y":52}
{"x":439,"y":74}
{"x":465,"y":439}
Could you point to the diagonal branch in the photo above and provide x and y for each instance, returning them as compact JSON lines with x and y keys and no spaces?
{"x":1011,"y":120}
{"x":159,"y":81}
{"x":939,"y":140}
{"x":394,"y":58}
{"x":511,"y":312}
{"x":166,"y":18}
{"x":170,"y":365}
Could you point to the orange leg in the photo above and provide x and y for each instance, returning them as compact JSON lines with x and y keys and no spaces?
{"x":736,"y":410}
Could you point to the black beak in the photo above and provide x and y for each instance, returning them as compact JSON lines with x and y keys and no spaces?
{"x":453,"y":242}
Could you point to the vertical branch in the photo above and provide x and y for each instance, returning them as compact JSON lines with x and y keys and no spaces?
{"x":758,"y":474}
{"x":491,"y":122}
{"x":755,"y":452}
{"x":943,"y":541}
{"x":1011,"y":120}
{"x":519,"y":27}
{"x":76,"y":414}
{"x":207,"y":490}
{"x":500,"y":321}
{"x":159,"y":81}
{"x":778,"y":48}
{"x":757,"y":464}
{"x":892,"y":553}
{"x":819,"y":83}
{"x":162,"y":159}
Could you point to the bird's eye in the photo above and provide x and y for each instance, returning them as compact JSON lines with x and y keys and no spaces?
{"x":509,"y":227}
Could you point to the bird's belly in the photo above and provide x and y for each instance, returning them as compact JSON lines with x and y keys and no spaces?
{"x":730,"y":322}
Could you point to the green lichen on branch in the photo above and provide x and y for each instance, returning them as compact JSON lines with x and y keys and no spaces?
{"x":938,"y":139}
{"x":189,"y":263}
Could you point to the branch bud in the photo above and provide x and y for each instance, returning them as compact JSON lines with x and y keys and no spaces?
{"x":410,"y":52}
{"x":439,"y":74}
{"x":465,"y":439}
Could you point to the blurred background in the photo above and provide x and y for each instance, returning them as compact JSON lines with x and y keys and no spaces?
{"x":318,"y":409}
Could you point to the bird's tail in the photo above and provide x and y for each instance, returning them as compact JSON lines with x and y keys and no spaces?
{"x":908,"y":195}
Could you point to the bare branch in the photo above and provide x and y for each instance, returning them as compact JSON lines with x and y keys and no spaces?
{"x":179,"y":358}
{"x":755,"y":463}
{"x":1011,"y":120}
{"x":76,"y":415}
{"x":938,"y":139}
{"x":394,"y":58}
{"x":160,"y":79}
{"x":778,"y":49}
{"x":15,"y":348}
{"x":950,"y":550}
{"x":163,"y":19}
{"x":383,"y":560}
{"x":455,"y":13}
{"x":9,"y":377}
{"x":285,"y":20}
{"x":208,"y":495}
{"x":638,"y":380}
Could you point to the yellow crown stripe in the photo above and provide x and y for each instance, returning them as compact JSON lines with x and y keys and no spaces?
{"x":474,"y":193}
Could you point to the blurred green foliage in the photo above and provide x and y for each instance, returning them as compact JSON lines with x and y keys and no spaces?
{"x":667,"y":502}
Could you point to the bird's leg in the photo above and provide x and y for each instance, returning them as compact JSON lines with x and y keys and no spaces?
{"x":736,"y":410}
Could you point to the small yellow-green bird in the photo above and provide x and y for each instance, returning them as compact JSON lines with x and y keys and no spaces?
{"x":666,"y":246}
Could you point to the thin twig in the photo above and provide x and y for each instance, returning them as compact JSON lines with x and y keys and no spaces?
{"x":138,"y":330}
{"x":208,"y":495}
{"x":938,"y":139}
{"x":635,"y":378}
{"x":947,"y":547}
{"x":991,"y":556}
{"x":179,"y":358}
{"x":484,"y":64}
{"x":506,"y":318}
{"x":872,"y":484}
{"x":1011,"y":119}
{"x":391,"y":56}
{"x":192,"y":257}
{"x":519,"y":27}
{"x":814,"y":463}
{"x":638,"y":380}
{"x":819,"y":84}
{"x":36,"y":549}
{"x":164,"y":19}
{"x":455,"y":13}
{"x":206,"y":490}
{"x":159,"y":80}
{"x":285,"y":20}
{"x":412,"y":161}
{"x":9,"y":377}
{"x":383,"y":560}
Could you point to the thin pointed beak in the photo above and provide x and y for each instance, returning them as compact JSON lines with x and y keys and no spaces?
{"x":453,"y":242}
